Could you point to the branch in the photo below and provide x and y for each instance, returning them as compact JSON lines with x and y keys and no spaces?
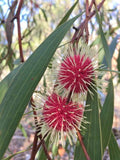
{"x":35,"y":147}
{"x":18,"y":10}
{"x":80,"y":30}
{"x":82,"y":145}
{"x":87,"y":18}
{"x":33,"y":154}
{"x":19,"y":39}
{"x":17,"y":16}
{"x":98,"y":7}
{"x":45,"y":148}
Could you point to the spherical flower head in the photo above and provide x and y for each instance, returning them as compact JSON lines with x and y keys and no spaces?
{"x":60,"y":115}
{"x":76,"y":73}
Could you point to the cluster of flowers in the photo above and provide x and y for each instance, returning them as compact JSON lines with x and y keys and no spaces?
{"x":61,"y":111}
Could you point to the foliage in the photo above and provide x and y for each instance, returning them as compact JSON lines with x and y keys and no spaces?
{"x":49,"y":31}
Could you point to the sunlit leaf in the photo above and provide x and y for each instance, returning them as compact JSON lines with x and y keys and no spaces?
{"x":24,"y":83}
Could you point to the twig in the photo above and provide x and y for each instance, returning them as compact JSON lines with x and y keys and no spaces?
{"x":98,"y":8}
{"x":82,"y":145}
{"x":35,"y":147}
{"x":17,"y":16}
{"x":34,"y":111}
{"x":4,"y":57}
{"x":80,"y":30}
{"x":91,"y":4}
{"x":19,"y":39}
{"x":87,"y":18}
{"x":18,"y":10}
{"x":69,"y":97}
{"x":44,"y":147}
{"x":41,"y":142}
{"x":78,"y":133}
{"x":33,"y":154}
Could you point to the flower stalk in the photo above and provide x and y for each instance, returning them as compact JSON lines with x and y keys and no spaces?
{"x":82,"y":145}
{"x":42,"y":142}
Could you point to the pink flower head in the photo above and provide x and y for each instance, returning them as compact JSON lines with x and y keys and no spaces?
{"x":76,"y":73}
{"x":60,"y":115}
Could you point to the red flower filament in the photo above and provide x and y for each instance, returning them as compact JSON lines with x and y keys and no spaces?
{"x":59,"y":115}
{"x":76,"y":73}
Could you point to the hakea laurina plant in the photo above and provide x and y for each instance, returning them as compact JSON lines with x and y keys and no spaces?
{"x":60,"y":112}
{"x":77,"y":71}
{"x":58,"y":117}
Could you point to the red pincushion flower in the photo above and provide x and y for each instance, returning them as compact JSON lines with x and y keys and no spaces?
{"x":60,"y":115}
{"x":76,"y":73}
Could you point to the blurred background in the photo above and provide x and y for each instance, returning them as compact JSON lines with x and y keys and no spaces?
{"x":38,"y":19}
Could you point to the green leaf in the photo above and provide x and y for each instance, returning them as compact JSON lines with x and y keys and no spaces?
{"x":118,"y":65}
{"x":65,"y":18}
{"x":20,"y":126}
{"x":114,"y":149}
{"x":107,"y":115}
{"x":5,"y":83}
{"x":44,"y":14}
{"x":92,"y":138}
{"x":24,"y":84}
{"x":104,"y":42}
{"x":113,"y":44}
{"x":112,"y":47}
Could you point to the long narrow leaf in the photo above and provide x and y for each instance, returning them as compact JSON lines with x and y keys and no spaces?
{"x":107,"y":115}
{"x":5,"y":83}
{"x":108,"y":108}
{"x":92,"y":138}
{"x":104,"y":42}
{"x":65,"y":18}
{"x":114,"y":150}
{"x":111,"y":47}
{"x":118,"y":65}
{"x":23,"y":85}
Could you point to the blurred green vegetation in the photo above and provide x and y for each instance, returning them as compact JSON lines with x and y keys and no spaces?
{"x":39,"y":19}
